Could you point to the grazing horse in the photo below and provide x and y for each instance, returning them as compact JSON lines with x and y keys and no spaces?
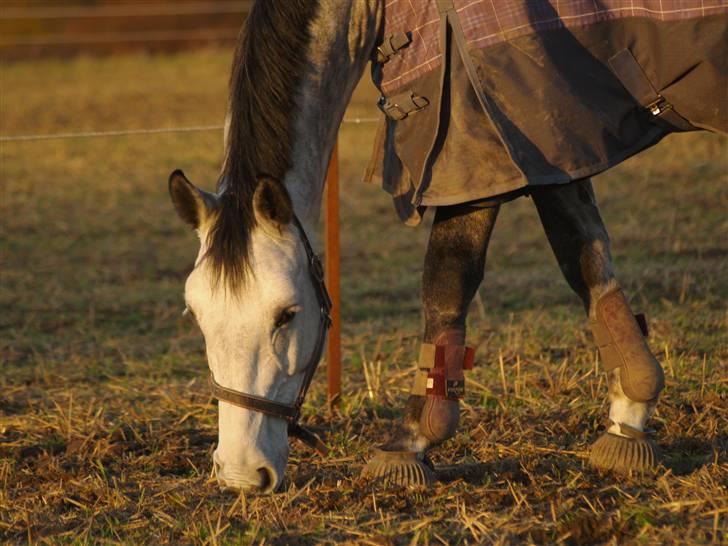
{"x":481,"y":105}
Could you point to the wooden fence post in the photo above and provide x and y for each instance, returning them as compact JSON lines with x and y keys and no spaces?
{"x":332,"y":254}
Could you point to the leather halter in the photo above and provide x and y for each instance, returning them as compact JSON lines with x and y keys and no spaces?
{"x":291,"y":412}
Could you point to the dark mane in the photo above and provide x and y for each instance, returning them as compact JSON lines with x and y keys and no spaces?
{"x":268,"y":66}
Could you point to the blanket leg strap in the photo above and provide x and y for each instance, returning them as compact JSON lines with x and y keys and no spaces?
{"x":633,"y":78}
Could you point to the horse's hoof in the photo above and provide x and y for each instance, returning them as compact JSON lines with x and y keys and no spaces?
{"x":402,"y":468}
{"x":624,"y":455}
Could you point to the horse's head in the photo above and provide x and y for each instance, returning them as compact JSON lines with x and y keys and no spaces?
{"x":260,"y":333}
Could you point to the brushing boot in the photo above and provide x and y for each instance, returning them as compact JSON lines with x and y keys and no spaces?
{"x":620,"y":336}
{"x":441,"y":381}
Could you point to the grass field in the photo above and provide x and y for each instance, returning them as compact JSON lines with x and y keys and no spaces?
{"x":106,"y":424}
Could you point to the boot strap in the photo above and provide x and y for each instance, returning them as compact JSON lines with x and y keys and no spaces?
{"x":441,"y":370}
{"x":631,"y":432}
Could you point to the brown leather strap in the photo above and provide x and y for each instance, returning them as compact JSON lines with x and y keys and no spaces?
{"x":634,"y":79}
{"x":308,"y":438}
{"x":316,"y":273}
{"x":314,"y":359}
{"x":251,"y":402}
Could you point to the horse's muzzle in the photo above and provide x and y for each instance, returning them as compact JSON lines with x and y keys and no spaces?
{"x":261,"y":478}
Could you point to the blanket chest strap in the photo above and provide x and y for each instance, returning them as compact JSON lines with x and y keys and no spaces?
{"x":392,"y":44}
{"x":400,"y":106}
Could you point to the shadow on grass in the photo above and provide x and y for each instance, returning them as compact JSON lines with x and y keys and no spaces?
{"x":686,"y":455}
{"x":482,"y":473}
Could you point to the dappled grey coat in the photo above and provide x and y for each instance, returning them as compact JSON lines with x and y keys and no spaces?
{"x":481,"y":103}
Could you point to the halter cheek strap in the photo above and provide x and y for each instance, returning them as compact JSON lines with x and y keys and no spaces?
{"x":291,"y":412}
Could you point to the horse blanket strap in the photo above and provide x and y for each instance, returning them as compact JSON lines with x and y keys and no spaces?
{"x":441,"y":370}
{"x":634,"y":79}
{"x":291,"y":412}
{"x":392,"y":44}
{"x":400,"y":106}
{"x":622,"y":345}
{"x":444,"y":6}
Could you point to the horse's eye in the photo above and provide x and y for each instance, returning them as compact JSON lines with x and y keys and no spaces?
{"x":285,"y":316}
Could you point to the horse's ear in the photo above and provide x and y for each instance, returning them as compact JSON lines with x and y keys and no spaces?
{"x":193,"y":205}
{"x":272,"y":202}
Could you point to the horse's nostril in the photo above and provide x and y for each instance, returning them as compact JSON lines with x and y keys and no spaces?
{"x":266,"y":478}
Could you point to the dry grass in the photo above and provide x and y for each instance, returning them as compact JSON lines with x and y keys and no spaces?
{"x":106,"y":427}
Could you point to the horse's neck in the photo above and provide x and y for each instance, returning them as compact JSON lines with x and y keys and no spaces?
{"x":343,"y":36}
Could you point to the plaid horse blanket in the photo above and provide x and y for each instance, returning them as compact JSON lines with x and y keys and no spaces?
{"x":484,"y":98}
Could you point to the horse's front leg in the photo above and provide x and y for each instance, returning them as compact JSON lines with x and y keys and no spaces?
{"x":453,"y":271}
{"x":579,"y":239}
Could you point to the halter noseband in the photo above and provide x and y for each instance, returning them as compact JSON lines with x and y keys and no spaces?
{"x":291,"y":412}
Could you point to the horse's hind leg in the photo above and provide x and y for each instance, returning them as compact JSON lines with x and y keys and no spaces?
{"x":453,"y":271}
{"x":579,"y":239}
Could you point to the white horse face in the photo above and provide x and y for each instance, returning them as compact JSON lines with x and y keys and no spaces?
{"x":260,"y":338}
